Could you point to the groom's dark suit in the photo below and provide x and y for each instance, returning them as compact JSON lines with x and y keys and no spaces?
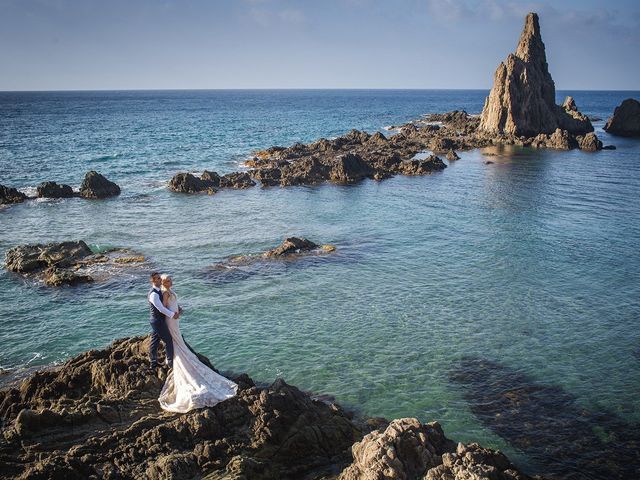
{"x":160,"y":332}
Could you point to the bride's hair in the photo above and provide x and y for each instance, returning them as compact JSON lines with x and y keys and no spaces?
{"x":163,"y":277}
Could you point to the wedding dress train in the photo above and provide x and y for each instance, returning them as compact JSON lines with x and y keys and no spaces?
{"x":191,"y":384}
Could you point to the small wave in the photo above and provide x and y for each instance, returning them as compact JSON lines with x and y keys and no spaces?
{"x":29,"y":191}
{"x":106,"y":158}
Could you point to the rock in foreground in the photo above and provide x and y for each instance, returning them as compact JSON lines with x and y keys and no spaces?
{"x":522,"y":100}
{"x":96,"y":186}
{"x":625,"y":121}
{"x":97,"y":416}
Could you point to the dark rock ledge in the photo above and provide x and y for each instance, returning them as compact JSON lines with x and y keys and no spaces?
{"x":94,"y":186}
{"x":97,"y":417}
{"x":68,"y":263}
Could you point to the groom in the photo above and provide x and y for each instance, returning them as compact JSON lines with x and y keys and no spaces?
{"x":158,"y":322}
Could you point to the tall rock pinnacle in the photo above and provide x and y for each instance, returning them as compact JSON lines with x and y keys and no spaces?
{"x":522,"y":100}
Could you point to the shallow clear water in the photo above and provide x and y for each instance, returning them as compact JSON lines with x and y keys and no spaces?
{"x":531,"y":261}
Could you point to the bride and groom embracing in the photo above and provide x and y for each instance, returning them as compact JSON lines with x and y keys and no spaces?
{"x":190,"y":383}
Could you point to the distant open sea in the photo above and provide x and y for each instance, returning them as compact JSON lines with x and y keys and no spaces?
{"x":531,"y":262}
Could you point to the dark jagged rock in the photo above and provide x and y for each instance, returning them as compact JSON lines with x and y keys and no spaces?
{"x":239,"y":180}
{"x":625,"y":121}
{"x":522,"y":100}
{"x":189,"y":183}
{"x":95,"y":186}
{"x":349,"y":168}
{"x":292,"y":245}
{"x":10,"y":195}
{"x":548,"y":424}
{"x":562,"y":140}
{"x":97,"y":416}
{"x":54,"y":190}
{"x":66,"y":263}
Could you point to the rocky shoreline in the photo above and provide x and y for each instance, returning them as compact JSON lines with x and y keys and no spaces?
{"x":97,"y":417}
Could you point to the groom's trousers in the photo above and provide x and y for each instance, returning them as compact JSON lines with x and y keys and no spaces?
{"x":160,"y":331}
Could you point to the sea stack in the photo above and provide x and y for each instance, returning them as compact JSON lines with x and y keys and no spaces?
{"x":522,"y":100}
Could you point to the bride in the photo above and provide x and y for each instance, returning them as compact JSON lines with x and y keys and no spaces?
{"x":191,"y":384}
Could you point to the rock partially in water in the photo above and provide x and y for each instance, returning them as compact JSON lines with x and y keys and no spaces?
{"x":296,"y":246}
{"x":35,"y":258}
{"x":10,"y":195}
{"x":625,"y":121}
{"x":590,"y":143}
{"x":54,"y":190}
{"x":68,"y":263}
{"x":189,"y":183}
{"x":473,"y":462}
{"x":96,"y":186}
{"x":452,"y":155}
{"x":561,"y":140}
{"x":548,"y":424}
{"x":522,"y":99}
{"x":237,"y":180}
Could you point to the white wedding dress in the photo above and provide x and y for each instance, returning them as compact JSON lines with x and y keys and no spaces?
{"x":191,"y":384}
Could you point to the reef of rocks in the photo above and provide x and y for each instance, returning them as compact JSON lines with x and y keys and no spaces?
{"x":209,"y":182}
{"x":625,"y":121}
{"x":97,"y":417}
{"x":94,"y":186}
{"x":67,"y":263}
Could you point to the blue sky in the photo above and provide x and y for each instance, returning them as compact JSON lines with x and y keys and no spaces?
{"x":151,"y":44}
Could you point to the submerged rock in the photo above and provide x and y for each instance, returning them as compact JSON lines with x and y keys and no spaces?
{"x":95,"y":186}
{"x":10,"y":195}
{"x":625,"y":121}
{"x":522,"y":100}
{"x":548,"y":424}
{"x":54,"y":190}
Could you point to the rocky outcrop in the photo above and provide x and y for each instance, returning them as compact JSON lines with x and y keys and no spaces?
{"x":54,"y":190}
{"x":189,"y":183}
{"x":522,"y":100}
{"x":66,"y":263}
{"x":237,"y":180}
{"x":209,"y":182}
{"x":95,"y":186}
{"x":97,"y":416}
{"x":10,"y":195}
{"x":625,"y":121}
{"x":33,"y":258}
{"x":408,"y":449}
{"x":590,"y":143}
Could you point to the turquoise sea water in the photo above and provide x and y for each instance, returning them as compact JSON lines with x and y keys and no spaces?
{"x":531,"y":261}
